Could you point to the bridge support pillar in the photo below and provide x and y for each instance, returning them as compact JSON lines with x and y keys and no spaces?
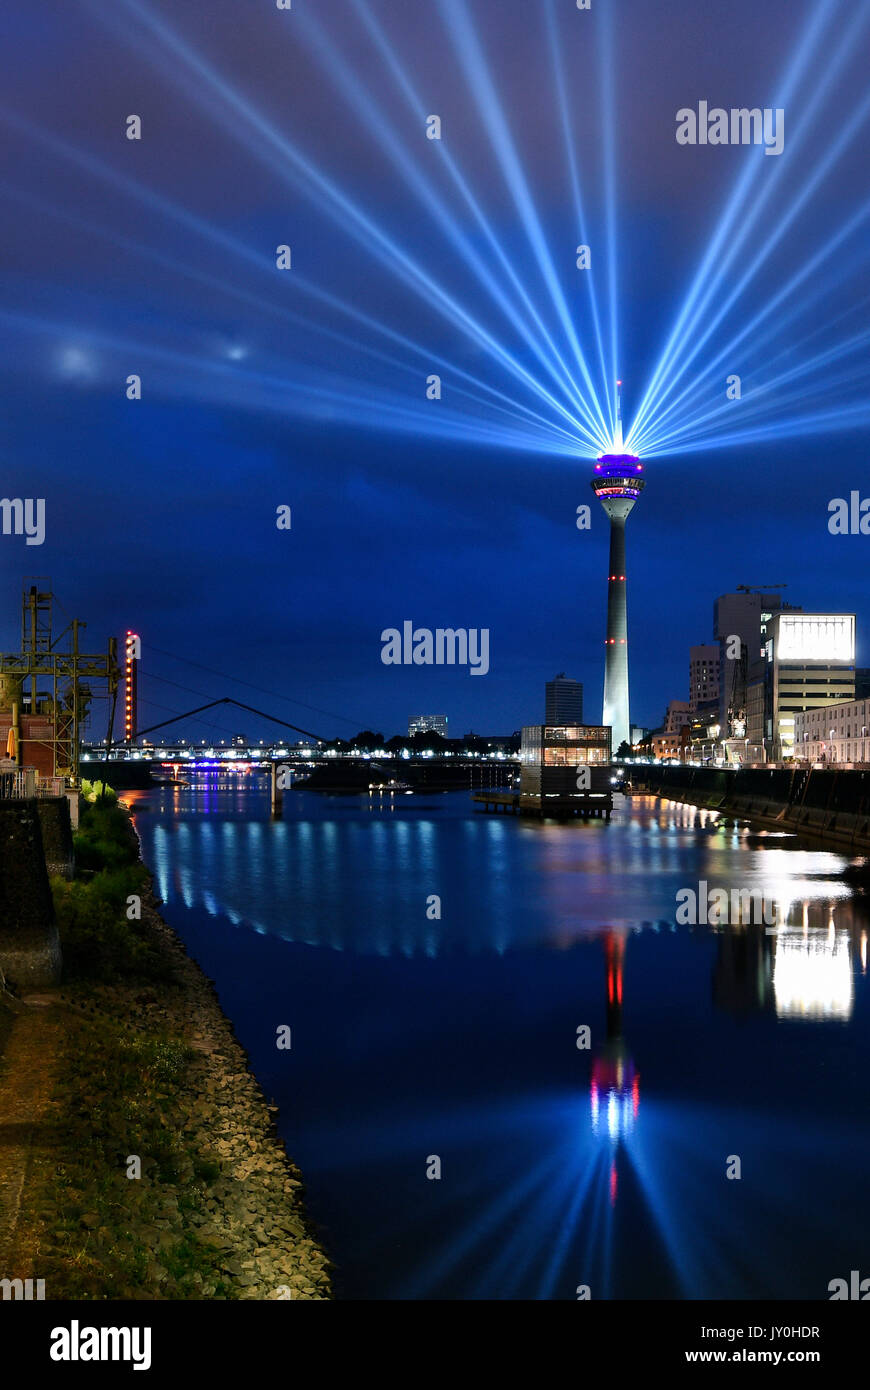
{"x":277,"y":793}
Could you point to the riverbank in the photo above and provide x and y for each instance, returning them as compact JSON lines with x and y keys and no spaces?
{"x":149,"y":1166}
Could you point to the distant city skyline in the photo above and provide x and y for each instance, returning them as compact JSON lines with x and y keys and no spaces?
{"x":166,"y":679}
{"x":156,"y":258}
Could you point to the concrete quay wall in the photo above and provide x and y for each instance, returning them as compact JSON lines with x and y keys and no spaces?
{"x":827,"y":804}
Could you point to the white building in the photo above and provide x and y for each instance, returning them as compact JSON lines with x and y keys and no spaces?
{"x":426,"y":723}
{"x":834,"y":734}
{"x":810,"y":666}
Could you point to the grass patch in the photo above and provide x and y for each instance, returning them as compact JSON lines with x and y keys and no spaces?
{"x":107,"y":1235}
{"x":101,"y":935}
{"x":5,"y":1025}
{"x":98,"y":940}
{"x":104,"y":839}
{"x":125,"y":1089}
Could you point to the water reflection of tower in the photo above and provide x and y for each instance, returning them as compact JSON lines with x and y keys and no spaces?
{"x":614,"y":1090}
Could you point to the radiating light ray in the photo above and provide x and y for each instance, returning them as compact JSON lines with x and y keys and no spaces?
{"x":719,"y":251}
{"x":839,"y":418}
{"x":544,"y":403}
{"x":136,"y":349}
{"x":759,"y":397}
{"x":483,"y":90}
{"x":546,"y":1214}
{"x":561,"y":1243}
{"x":597,"y":1204}
{"x":450,"y":164}
{"x":364,"y":104}
{"x":733,"y":215}
{"x":635,"y":441}
{"x":165,"y":207}
{"x":228,"y":382}
{"x":512,"y":1199}
{"x":266,"y":144}
{"x":607,"y":375}
{"x":656,"y":433}
{"x":609,"y":125}
{"x":757,"y":348}
{"x":707,"y":1244}
{"x":783,"y":223}
{"x":525,"y":1228}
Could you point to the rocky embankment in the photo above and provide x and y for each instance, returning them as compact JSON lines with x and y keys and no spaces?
{"x":146,"y":1067}
{"x":251,"y":1213}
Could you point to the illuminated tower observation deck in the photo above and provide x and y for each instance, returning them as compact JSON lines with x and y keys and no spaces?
{"x":617,"y":484}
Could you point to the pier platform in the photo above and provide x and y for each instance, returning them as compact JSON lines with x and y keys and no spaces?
{"x":584,"y":807}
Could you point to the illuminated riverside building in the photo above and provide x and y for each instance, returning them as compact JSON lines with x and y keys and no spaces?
{"x":834,"y":734}
{"x":809,"y":664}
{"x":617,"y":484}
{"x":737,"y":616}
{"x":552,"y":760}
{"x":744,"y":615}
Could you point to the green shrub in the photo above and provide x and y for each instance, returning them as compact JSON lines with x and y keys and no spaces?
{"x":98,"y":791}
{"x":97,"y":939}
{"x":103,"y":839}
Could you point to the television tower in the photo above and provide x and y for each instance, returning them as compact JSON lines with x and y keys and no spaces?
{"x":617,"y":485}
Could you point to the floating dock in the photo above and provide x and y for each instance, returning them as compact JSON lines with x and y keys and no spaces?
{"x":587,"y":807}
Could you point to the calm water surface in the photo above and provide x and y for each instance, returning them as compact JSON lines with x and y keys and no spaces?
{"x":415,"y":1038}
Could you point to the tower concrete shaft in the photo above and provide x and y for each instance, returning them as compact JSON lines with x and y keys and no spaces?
{"x":616,"y":712}
{"x":617,"y":485}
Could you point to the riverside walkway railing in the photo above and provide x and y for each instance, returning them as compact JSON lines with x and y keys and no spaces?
{"x":26,"y":783}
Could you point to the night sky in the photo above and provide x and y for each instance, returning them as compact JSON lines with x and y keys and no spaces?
{"x":157,"y":257}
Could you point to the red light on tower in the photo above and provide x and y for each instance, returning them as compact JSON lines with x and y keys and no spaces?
{"x":132,"y":651}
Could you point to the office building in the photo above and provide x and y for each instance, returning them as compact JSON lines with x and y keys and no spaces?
{"x":564,"y":701}
{"x":740,"y":623}
{"x":704,"y":678}
{"x":809,"y":664}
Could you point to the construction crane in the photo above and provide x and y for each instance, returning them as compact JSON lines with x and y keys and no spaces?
{"x":758,"y":588}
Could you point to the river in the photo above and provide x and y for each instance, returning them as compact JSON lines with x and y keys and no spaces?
{"x":457,"y":1135}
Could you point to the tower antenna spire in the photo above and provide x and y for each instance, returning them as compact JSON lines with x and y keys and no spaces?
{"x":618,"y":438}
